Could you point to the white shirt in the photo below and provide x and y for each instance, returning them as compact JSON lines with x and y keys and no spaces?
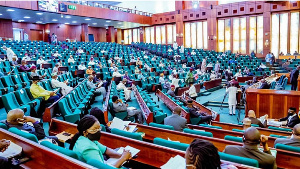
{"x":10,"y":54}
{"x":80,"y":51}
{"x":55,"y":70}
{"x":121,"y":86}
{"x":182,"y":49}
{"x":231,"y":95}
{"x":146,"y":57}
{"x":161,"y":65}
{"x":175,"y":46}
{"x":184,"y":66}
{"x":40,"y":61}
{"x":26,"y":58}
{"x":91,"y":63}
{"x":81,"y":67}
{"x":238,"y":74}
{"x":117,"y":74}
{"x":192,"y":91}
{"x":212,"y":76}
{"x":71,"y":60}
{"x":56,"y":54}
{"x":161,"y":80}
{"x":175,"y":82}
{"x":193,"y":53}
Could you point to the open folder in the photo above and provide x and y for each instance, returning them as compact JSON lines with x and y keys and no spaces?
{"x":177,"y":162}
{"x":122,"y":125}
{"x":132,"y":150}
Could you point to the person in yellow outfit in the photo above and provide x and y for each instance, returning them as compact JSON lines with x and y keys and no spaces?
{"x":38,"y":91}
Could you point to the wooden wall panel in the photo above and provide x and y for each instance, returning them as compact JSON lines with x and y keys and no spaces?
{"x":99,"y":33}
{"x":32,"y":30}
{"x":6,"y":28}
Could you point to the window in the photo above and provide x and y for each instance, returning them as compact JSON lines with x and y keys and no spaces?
{"x":252,"y":34}
{"x":135,"y":35}
{"x":125,"y":36}
{"x":196,"y":35}
{"x":129,"y":36}
{"x":221,"y":37}
{"x":174,"y":32}
{"x":187,"y":37}
{"x":152,"y":34}
{"x":199,"y":35}
{"x":163,"y":34}
{"x":243,"y":39}
{"x":170,"y":34}
{"x":260,"y":34}
{"x":283,"y":33}
{"x":275,"y":34}
{"x":294,"y":36}
{"x":148,"y":34}
{"x":158,"y":35}
{"x":227,"y":34}
{"x":236,"y":34}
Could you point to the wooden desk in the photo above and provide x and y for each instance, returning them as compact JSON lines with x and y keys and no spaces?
{"x":221,"y":133}
{"x":246,"y":78}
{"x":42,"y":157}
{"x":288,"y":56}
{"x":204,"y":109}
{"x":264,"y":131}
{"x":181,"y":90}
{"x":286,"y":75}
{"x":171,"y":104}
{"x":145,"y":109}
{"x":212,"y":83}
{"x":150,"y":154}
{"x":48,"y":114}
{"x":275,"y":103}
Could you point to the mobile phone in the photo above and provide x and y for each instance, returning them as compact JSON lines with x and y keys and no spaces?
{"x":66,"y":134}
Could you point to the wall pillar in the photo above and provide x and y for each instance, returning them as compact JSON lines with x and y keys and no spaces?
{"x":84,"y":32}
{"x":111,"y":34}
{"x":212,"y":29}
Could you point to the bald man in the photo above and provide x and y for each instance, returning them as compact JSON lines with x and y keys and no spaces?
{"x":175,"y":120}
{"x":254,"y":120}
{"x":294,"y":140}
{"x":252,"y":139}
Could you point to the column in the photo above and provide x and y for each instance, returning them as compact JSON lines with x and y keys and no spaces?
{"x":212,"y":29}
{"x":111,"y":34}
{"x":179,"y":6}
{"x":84,"y":32}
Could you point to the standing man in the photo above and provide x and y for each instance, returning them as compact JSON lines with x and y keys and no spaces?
{"x":10,"y":53}
{"x":232,"y":90}
{"x":175,"y":120}
{"x":175,"y":45}
{"x":294,"y":78}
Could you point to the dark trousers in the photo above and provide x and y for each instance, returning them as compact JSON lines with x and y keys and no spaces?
{"x":205,"y":119}
{"x":294,"y":86}
{"x":194,"y":98}
{"x":4,"y":163}
{"x":53,"y":99}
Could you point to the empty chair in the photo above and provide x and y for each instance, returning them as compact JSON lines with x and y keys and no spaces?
{"x":67,"y":113}
{"x":10,"y":102}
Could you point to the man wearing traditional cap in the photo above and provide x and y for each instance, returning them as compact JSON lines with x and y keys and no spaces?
{"x":65,"y":89}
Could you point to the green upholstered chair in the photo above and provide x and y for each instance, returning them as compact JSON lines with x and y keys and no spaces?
{"x":24,"y":99}
{"x":277,"y":136}
{"x":67,"y":113}
{"x":24,"y":134}
{"x":238,"y":159}
{"x":3,"y":126}
{"x":62,"y":150}
{"x":10,"y":102}
{"x":161,"y":126}
{"x":159,"y":116}
{"x":99,"y":165}
{"x":197,"y":132}
{"x":254,"y":125}
{"x":287,"y":147}
{"x":279,"y":128}
{"x":120,"y":115}
{"x":206,"y":125}
{"x":137,"y":136}
{"x":171,"y":144}
{"x":233,"y":138}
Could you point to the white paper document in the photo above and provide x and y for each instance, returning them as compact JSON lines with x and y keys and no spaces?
{"x":12,"y":151}
{"x":132,"y":150}
{"x":122,"y":125}
{"x":177,"y":162}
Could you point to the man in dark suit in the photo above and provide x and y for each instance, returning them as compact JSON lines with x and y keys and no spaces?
{"x":292,"y":118}
{"x":194,"y":113}
{"x":294,"y":78}
{"x":251,"y":140}
{"x":254,"y":120}
{"x":264,"y":84}
{"x":294,"y":140}
{"x":179,"y":123}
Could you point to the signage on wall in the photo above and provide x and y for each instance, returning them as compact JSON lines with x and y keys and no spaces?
{"x":73,"y":7}
{"x":63,"y":7}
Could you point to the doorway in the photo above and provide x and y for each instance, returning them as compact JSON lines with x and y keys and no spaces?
{"x":18,"y":34}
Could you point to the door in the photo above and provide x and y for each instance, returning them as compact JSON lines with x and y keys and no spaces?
{"x":18,"y":34}
{"x":36,"y":35}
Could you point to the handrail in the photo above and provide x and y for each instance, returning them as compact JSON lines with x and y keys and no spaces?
{"x":49,"y":110}
{"x":147,"y":112}
{"x":171,"y":104}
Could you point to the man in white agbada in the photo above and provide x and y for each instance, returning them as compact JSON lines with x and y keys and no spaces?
{"x":40,"y":61}
{"x":71,"y":59}
{"x":65,"y":89}
{"x":127,"y":91}
{"x":175,"y":45}
{"x":56,"y":54}
{"x":239,"y":74}
{"x":10,"y":53}
{"x":81,"y":66}
{"x":232,"y":90}
{"x":117,"y":73}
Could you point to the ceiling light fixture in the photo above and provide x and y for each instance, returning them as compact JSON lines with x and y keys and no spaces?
{"x":74,"y":21}
{"x":68,"y":16}
{"x":108,"y":21}
{"x":67,"y":23}
{"x":39,"y":22}
{"x":26,"y":17}
{"x":39,"y":13}
{"x":87,"y":19}
{"x":94,"y":23}
{"x":21,"y":20}
{"x":0,"y":13}
{"x":10,"y":10}
{"x":54,"y":20}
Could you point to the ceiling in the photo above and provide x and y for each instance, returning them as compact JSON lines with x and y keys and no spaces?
{"x":41,"y":17}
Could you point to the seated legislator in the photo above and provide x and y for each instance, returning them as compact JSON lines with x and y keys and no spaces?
{"x":81,"y":66}
{"x":202,"y":154}
{"x":192,"y":91}
{"x":263,"y":84}
{"x":15,"y":118}
{"x":119,"y":106}
{"x":194,"y":113}
{"x":294,"y":140}
{"x":252,"y":139}
{"x":175,"y":120}
{"x":171,"y":91}
{"x":65,"y":89}
{"x":254,"y":120}
{"x":127,"y":90}
{"x":89,"y":71}
{"x":85,"y":143}
{"x":99,"y":89}
{"x":292,"y":118}
{"x":55,"y":69}
{"x":4,"y":162}
{"x":38,"y":91}
{"x":24,"y":67}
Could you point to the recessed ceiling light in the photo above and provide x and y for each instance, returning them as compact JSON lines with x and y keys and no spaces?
{"x":74,"y":21}
{"x":0,"y":13}
{"x":10,"y":10}
{"x":67,"y":23}
{"x":122,"y":26}
{"x":68,"y":16}
{"x":39,"y":13}
{"x":94,"y":23}
{"x":120,"y":23}
{"x":54,"y":20}
{"x":108,"y":21}
{"x":105,"y":25}
{"x":39,"y":22}
{"x":87,"y":19}
{"x":27,"y":17}
{"x":21,"y":20}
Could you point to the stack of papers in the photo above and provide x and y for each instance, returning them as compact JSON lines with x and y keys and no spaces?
{"x":132,"y":150}
{"x":122,"y":125}
{"x":177,"y":162}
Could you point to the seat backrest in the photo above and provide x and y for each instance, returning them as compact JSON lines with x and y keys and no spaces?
{"x":97,"y":164}
{"x":287,"y":147}
{"x":29,"y":136}
{"x":198,"y":132}
{"x":10,"y":102}
{"x":171,"y":144}
{"x":22,"y":96}
{"x":280,"y":129}
{"x":205,"y":125}
{"x":3,"y":126}
{"x":64,"y":107}
{"x":233,"y":138}
{"x":137,"y":136}
{"x":62,"y":150}
{"x":161,"y":126}
{"x":238,"y":159}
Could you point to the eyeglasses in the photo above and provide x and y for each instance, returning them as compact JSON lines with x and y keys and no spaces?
{"x":94,"y":130}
